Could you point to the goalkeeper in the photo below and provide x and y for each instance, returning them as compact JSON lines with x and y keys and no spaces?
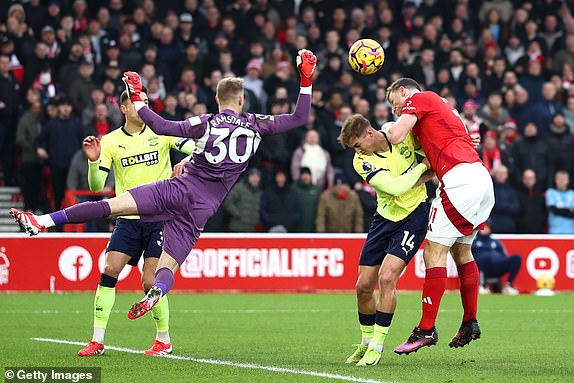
{"x":137,"y":156}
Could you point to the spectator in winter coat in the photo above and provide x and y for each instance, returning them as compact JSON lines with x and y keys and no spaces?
{"x":309,"y":195}
{"x":506,"y":207}
{"x":280,"y":206}
{"x":339,"y":210}
{"x":532,"y":216}
{"x":531,"y":152}
{"x":560,"y":145}
{"x":243,"y":203}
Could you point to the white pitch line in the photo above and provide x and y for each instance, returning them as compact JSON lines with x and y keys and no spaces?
{"x":228,"y":363}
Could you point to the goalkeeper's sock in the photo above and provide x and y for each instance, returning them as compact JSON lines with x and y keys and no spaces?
{"x":367,"y":324}
{"x":79,"y":213}
{"x":164,"y":279}
{"x":381,"y":329}
{"x":160,"y":314}
{"x":103,"y":304}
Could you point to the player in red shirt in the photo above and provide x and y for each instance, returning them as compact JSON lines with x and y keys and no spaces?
{"x":462,"y":205}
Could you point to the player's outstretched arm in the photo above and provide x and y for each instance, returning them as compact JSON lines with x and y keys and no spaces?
{"x":306,"y":63}
{"x":192,"y":127}
{"x":398,"y":132}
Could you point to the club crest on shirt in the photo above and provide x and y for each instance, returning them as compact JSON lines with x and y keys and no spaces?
{"x":405,"y":151}
{"x":153,"y":140}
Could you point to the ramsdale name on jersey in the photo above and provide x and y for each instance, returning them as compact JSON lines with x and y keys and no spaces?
{"x":262,"y":262}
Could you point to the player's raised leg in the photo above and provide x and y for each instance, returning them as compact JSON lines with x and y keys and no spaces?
{"x":388,"y":277}
{"x":164,"y":280}
{"x":366,"y":304}
{"x":160,"y":312}
{"x":104,"y":301}
{"x":469,"y":281}
{"x":79,"y":213}
{"x":425,"y":333}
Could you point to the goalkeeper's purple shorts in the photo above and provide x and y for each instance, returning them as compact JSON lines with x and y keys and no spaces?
{"x":184,"y":203}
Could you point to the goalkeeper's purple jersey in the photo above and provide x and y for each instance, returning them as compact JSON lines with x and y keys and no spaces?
{"x":226,"y":141}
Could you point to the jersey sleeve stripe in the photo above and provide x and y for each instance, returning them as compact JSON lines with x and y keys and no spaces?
{"x":371,"y":175}
{"x":179,"y":144}
{"x":104,"y":169}
{"x":195,"y":120}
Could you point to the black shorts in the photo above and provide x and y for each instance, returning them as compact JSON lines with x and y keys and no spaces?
{"x":402,"y":238}
{"x":136,"y":238}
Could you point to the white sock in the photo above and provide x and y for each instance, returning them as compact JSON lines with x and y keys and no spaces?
{"x":45,"y":220}
{"x":163,"y":337}
{"x":99,"y":335}
{"x":366,"y":341}
{"x":376,"y":346}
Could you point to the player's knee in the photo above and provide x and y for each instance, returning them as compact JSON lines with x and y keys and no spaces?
{"x":364,"y":288}
{"x":111,"y":271}
{"x":516,"y":260}
{"x":387,"y":279}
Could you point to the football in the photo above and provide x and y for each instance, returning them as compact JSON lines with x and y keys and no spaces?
{"x":546,"y":281}
{"x":366,"y":56}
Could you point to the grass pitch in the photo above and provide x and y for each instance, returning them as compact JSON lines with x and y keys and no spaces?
{"x":292,"y":338}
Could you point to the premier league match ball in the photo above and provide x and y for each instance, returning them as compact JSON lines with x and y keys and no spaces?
{"x":366,"y":56}
{"x":546,"y":281}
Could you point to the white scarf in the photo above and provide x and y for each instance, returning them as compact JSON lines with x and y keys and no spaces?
{"x":314,"y":158}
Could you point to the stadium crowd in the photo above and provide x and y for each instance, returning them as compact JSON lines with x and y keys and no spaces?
{"x":508,"y":66}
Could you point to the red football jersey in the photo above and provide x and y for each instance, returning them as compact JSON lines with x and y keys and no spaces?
{"x":441,"y":132}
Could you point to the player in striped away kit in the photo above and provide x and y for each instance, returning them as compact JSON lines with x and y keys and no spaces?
{"x":224,"y":144}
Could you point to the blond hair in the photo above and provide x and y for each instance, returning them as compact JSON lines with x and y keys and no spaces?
{"x":352,"y":129}
{"x":228,"y":89}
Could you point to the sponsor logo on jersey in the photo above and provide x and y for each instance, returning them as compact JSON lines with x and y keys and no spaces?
{"x":153,"y":141}
{"x":368,"y":168}
{"x":150,"y":158}
{"x":405,"y":151}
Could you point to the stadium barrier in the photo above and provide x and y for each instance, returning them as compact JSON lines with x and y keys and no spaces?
{"x":252,"y":262}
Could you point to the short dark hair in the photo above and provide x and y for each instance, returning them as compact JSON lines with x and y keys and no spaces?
{"x":404,"y":82}
{"x":125,"y":96}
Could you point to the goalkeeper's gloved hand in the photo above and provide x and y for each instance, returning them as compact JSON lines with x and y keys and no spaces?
{"x":306,"y":62}
{"x":133,"y":85}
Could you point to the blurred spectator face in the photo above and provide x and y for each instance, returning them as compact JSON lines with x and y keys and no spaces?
{"x":280,"y":179}
{"x":101,"y":112}
{"x":213,"y":16}
{"x":363,"y":107}
{"x":113,"y":73}
{"x":562,"y":179}
{"x":172,"y":20}
{"x":256,"y":49}
{"x":215,"y":78}
{"x":308,"y":16}
{"x":386,"y":16}
{"x":53,"y":9}
{"x":150,"y":54}
{"x":139,"y":16}
{"x":489,"y":142}
{"x":345,"y":113}
{"x":468,"y":110}
{"x":531,"y":27}
{"x":116,"y":5}
{"x":94,"y":27}
{"x":281,"y":93}
{"x":48,"y":37}
{"x":104,"y":16}
{"x":108,"y":86}
{"x":336,"y":100}
{"x":384,"y":33}
{"x":570,"y":104}
{"x":191,"y":52}
{"x":416,"y":42}
{"x":381,"y":112}
{"x":346,"y":80}
{"x":221,"y":42}
{"x":282,"y":70}
{"x":427,"y":57}
{"x":509,"y":98}
{"x":470,"y":48}
{"x":457,"y":26}
{"x":499,"y":66}
{"x":456,"y":58}
{"x":530,"y":130}
{"x":32,"y":96}
{"x":86,"y":70}
{"x":569,"y":42}
{"x":170,"y":102}
{"x":510,"y":80}
{"x":76,"y":51}
{"x":187,"y":77}
{"x":51,"y":111}
{"x":312,"y":137}
{"x":40,"y":50}
{"x":430,"y":33}
{"x":500,"y":174}
{"x":97,"y":96}
{"x":493,"y":16}
{"x":228,"y":26}
{"x":317,"y":96}
{"x":290,"y":36}
{"x":443,"y":76}
{"x":64,"y":111}
{"x":352,"y":36}
{"x":548,"y":91}
{"x":125,"y":41}
{"x":314,"y":32}
{"x":166,"y":36}
{"x":36,"y":109}
{"x":529,"y":179}
{"x":550,"y":23}
{"x":514,"y":42}
{"x":559,"y":122}
{"x":79,"y":7}
{"x":148,"y":71}
{"x":198,"y":109}
{"x":521,"y":15}
{"x":495,"y":100}
{"x":156,"y":30}
{"x":301,"y":42}
{"x":472,"y":70}
{"x":305,"y":178}
{"x":254,"y":179}
{"x":4,"y":65}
